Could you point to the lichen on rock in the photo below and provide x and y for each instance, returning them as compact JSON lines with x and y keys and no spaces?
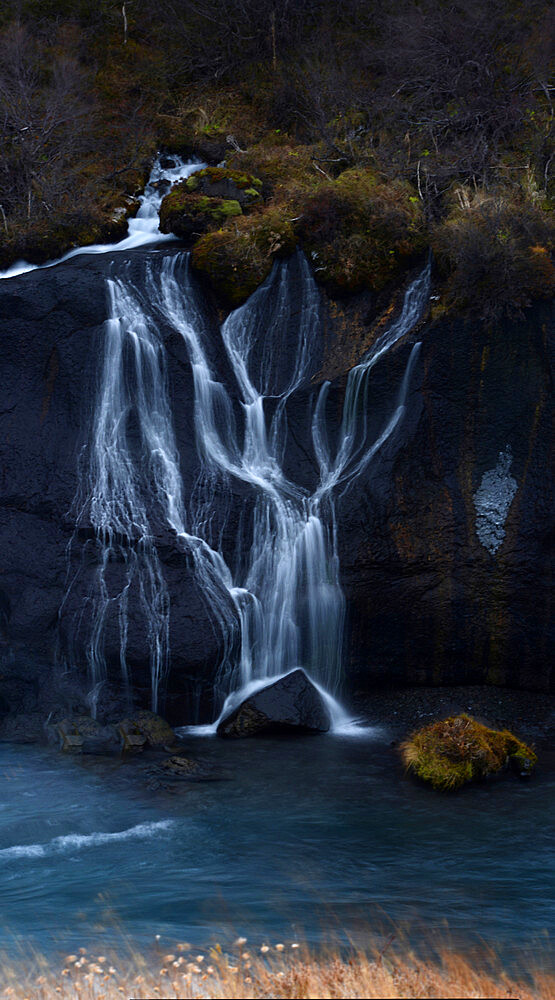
{"x":492,"y":501}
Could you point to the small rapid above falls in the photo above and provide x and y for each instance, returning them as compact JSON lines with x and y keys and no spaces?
{"x":277,"y":601}
{"x":143,"y":229}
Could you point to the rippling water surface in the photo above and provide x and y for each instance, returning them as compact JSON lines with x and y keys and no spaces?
{"x":297,"y":839}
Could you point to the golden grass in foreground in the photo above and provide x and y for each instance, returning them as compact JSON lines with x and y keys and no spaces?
{"x":279,"y":971}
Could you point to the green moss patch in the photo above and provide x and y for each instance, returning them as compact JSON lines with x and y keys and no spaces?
{"x":187,"y":214}
{"x":359,"y":232}
{"x":450,"y":753}
{"x":218,"y":182}
{"x":235,"y":260}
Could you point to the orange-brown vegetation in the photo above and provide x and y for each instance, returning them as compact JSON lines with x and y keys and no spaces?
{"x":276,"y":971}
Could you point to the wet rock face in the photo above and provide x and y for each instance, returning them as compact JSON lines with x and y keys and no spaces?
{"x":51,"y":329}
{"x":289,"y":705}
{"x":446,"y":541}
{"x":427,"y":600}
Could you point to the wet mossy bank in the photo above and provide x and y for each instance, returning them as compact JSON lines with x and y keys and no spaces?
{"x":360,"y":231}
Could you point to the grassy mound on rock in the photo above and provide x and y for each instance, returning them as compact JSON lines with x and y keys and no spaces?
{"x":235,"y":260}
{"x":359,"y":232}
{"x":449,"y":753}
{"x":495,"y":253}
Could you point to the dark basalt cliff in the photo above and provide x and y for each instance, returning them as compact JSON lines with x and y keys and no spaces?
{"x":446,"y":551}
{"x":444,"y":540}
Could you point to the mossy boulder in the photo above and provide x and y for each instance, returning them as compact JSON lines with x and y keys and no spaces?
{"x":82,"y":734}
{"x":360,"y":232}
{"x":219,"y":182}
{"x":237,"y":259}
{"x":151,"y":728}
{"x":459,"y":749}
{"x":188,"y":214}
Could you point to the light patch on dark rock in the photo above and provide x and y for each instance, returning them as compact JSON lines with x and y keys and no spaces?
{"x":492,"y":501}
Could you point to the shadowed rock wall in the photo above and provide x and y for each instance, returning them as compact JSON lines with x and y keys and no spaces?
{"x":446,"y":545}
{"x":428,"y":601}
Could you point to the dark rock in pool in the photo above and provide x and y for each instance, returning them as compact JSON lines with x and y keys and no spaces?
{"x":143,"y":728}
{"x":289,"y":705}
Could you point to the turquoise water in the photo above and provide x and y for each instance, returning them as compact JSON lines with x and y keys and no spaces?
{"x":298,"y":839}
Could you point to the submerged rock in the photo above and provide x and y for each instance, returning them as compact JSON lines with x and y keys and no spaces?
{"x":289,"y":705}
{"x":178,"y":768}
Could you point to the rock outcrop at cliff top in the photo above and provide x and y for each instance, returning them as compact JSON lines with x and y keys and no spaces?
{"x":289,"y":705}
{"x":206,"y":200}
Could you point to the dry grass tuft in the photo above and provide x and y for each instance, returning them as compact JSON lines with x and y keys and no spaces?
{"x":271,"y":971}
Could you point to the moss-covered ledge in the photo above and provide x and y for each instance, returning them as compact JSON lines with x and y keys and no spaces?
{"x":219,"y":182}
{"x":358,"y":231}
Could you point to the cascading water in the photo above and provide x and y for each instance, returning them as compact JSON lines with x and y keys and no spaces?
{"x":129,"y":467}
{"x":279,"y":604}
{"x":288,"y":597}
{"x":286,"y":594}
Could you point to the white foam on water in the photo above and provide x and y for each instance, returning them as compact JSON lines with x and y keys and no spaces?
{"x":78,"y":841}
{"x":23,"y":851}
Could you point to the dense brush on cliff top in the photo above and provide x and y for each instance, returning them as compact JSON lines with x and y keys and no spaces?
{"x":451,"y":97}
{"x":272,"y":971}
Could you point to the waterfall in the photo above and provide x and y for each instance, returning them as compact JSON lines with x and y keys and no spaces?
{"x":128,"y":469}
{"x":277,"y":601}
{"x":285,"y":588}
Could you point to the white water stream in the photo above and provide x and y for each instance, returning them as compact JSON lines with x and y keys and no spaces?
{"x":279,"y":605}
{"x":142,"y":230}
